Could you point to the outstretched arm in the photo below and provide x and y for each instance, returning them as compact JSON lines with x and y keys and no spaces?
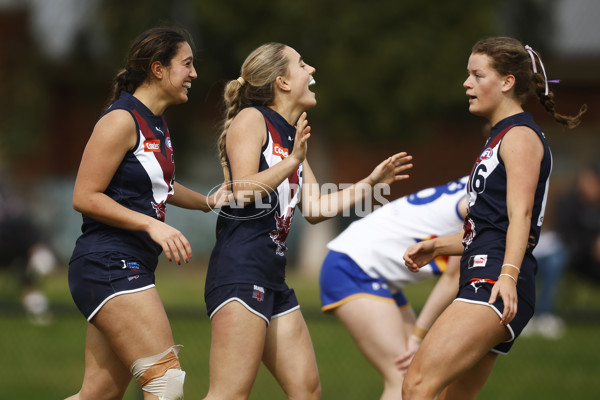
{"x":317,"y":207}
{"x":420,"y":254}
{"x":187,"y":198}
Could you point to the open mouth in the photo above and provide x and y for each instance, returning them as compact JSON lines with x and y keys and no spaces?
{"x":187,"y":85}
{"x":312,"y":82}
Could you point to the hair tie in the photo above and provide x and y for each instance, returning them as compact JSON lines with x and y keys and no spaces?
{"x":531,"y":54}
{"x":241,"y":81}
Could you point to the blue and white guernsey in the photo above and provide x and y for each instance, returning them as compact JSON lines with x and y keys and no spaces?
{"x":377,"y":242}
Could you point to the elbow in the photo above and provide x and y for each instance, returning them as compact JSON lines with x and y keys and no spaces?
{"x":78,"y":204}
{"x":82,"y":203}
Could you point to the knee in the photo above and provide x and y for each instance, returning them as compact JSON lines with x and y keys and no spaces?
{"x":310,"y":390}
{"x":314,"y":392}
{"x":161,"y":375}
{"x":314,"y":389}
{"x":412,"y":387}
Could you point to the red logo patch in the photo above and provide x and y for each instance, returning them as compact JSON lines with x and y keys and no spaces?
{"x":152,"y":145}
{"x":280,"y":151}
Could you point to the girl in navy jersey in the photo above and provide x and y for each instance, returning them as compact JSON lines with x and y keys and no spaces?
{"x":263,"y":145}
{"x":507,"y":193}
{"x":125,"y":180}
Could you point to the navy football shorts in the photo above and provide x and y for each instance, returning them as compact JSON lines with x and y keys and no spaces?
{"x":98,"y":277}
{"x":479,"y":291}
{"x":266,"y":303}
{"x":342,"y":280}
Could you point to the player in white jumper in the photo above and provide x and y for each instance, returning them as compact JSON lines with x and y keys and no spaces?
{"x":363,"y":275}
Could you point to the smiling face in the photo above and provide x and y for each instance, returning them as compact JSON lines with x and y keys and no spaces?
{"x":485,"y":87}
{"x":179,"y":74}
{"x":299,"y":77}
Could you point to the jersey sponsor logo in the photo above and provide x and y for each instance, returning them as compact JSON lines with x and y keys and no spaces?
{"x":280,"y":151}
{"x":487,"y":154}
{"x":478,"y":261}
{"x":152,"y":145}
{"x":258,"y":293}
{"x":158,"y":129}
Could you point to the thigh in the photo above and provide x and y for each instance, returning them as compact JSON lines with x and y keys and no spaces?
{"x":237,"y":342}
{"x":460,"y":338}
{"x":290,"y":356}
{"x":106,"y":376}
{"x":379,"y":329}
{"x":135,"y":325}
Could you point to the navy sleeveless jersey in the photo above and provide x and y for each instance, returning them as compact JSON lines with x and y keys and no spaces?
{"x":486,"y":223}
{"x":251,"y":240}
{"x":143,"y":182}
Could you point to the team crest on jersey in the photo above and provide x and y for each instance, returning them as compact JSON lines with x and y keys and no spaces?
{"x":258,"y":293}
{"x":487,"y":154}
{"x":469,"y":229}
{"x":161,"y":210}
{"x":281,"y":231}
{"x":168,"y":143}
{"x":152,"y":145}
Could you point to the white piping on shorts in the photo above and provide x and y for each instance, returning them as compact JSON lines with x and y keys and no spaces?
{"x":483,"y":303}
{"x":285,"y":312}
{"x":242,"y":303}
{"x":251,"y":309}
{"x":117,"y":294}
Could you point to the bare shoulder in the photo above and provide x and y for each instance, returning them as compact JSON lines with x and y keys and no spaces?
{"x":522,"y":135}
{"x":117,"y":126}
{"x":247,"y":117}
{"x":522,"y":140}
{"x":248,"y":124}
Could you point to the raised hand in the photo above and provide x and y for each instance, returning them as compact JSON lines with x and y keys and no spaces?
{"x":301,"y":139}
{"x":389,"y":171}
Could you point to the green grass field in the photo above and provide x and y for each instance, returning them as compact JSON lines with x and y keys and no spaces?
{"x":46,"y":362}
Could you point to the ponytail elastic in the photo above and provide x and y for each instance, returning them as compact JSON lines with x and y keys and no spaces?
{"x":531,"y":54}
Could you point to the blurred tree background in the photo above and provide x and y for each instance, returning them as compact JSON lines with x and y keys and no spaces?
{"x":389,"y":78}
{"x":385,"y":69}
